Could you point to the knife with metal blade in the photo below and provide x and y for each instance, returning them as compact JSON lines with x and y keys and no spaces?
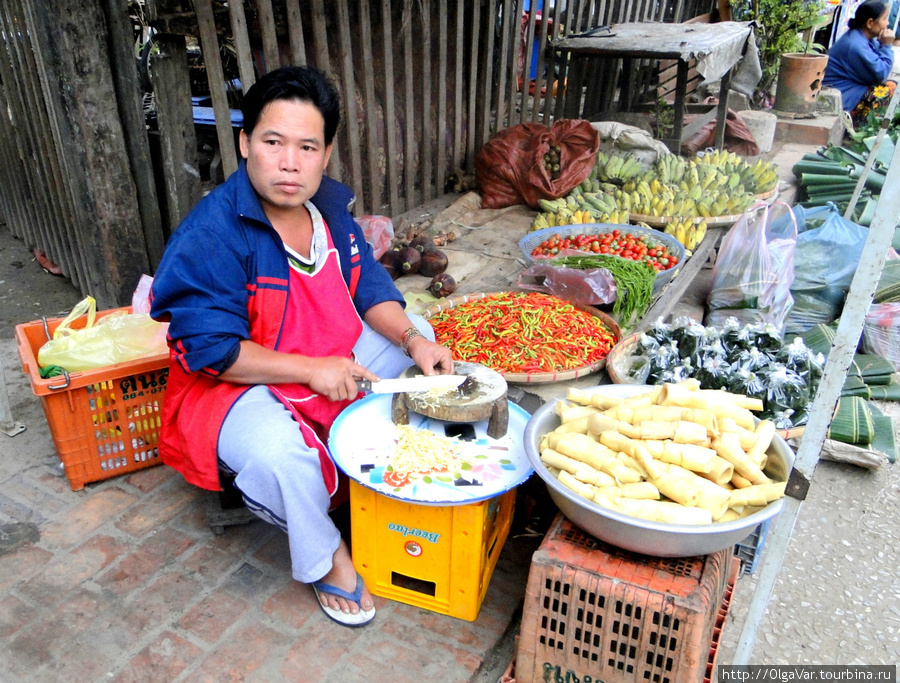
{"x":410,"y":384}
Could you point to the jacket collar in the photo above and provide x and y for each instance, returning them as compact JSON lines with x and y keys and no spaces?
{"x":246,"y":200}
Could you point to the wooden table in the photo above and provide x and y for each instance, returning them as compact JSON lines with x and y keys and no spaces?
{"x":715,"y":47}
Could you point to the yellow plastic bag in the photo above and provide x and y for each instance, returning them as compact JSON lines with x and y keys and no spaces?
{"x":116,"y":338}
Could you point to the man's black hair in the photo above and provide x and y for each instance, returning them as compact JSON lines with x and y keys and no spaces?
{"x":870,"y":9}
{"x":303,"y":83}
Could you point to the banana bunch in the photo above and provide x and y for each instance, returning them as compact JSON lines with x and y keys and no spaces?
{"x":567,"y":217}
{"x":615,"y":166}
{"x":766,"y":176}
{"x":615,"y":216}
{"x":579,"y":207}
{"x":686,"y":231}
{"x":669,"y":169}
{"x":660,"y":200}
{"x":724,"y":203}
{"x":755,"y":179}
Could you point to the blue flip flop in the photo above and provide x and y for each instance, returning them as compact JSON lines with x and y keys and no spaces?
{"x":361,"y":618}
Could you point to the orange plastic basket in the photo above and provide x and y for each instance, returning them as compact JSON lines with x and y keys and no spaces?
{"x":104,"y":422}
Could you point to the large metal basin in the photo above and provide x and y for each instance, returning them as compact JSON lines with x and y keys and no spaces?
{"x":658,"y":539}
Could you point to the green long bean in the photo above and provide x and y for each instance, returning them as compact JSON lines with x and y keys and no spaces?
{"x":634,"y":282}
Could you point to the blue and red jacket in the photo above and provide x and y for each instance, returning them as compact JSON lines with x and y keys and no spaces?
{"x":223,"y":279}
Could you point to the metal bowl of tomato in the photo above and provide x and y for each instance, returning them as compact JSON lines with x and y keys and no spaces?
{"x":659,"y":251}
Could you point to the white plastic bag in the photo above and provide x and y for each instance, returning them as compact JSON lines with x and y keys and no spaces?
{"x":754,"y":271}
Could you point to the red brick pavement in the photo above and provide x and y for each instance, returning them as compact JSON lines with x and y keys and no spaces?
{"x":127,"y":583}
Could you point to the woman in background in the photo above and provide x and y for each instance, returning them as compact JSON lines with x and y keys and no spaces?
{"x":861,"y":60}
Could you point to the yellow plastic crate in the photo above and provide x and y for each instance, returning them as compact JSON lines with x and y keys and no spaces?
{"x":437,"y":558}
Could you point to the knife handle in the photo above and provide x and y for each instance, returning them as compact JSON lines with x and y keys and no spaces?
{"x":364,"y":385}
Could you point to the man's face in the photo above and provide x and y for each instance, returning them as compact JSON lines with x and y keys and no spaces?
{"x":286,"y":154}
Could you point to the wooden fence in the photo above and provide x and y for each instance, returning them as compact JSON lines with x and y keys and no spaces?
{"x":425,"y":83}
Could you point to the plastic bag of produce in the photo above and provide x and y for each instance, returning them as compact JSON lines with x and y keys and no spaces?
{"x":826,"y":258}
{"x":881,"y":332}
{"x":828,"y":248}
{"x":531,"y":161}
{"x":585,"y":287}
{"x":378,"y":231}
{"x":754,"y":270}
{"x":116,"y":338}
{"x":622,"y":138}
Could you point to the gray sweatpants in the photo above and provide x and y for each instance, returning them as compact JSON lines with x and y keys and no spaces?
{"x":280,"y":476}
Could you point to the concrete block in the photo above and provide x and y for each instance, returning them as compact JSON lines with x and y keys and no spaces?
{"x":762,"y":125}
{"x":829,"y":101}
{"x":738,"y":101}
{"x":816,"y":131}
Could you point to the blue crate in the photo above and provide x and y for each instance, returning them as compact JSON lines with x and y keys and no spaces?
{"x":750,"y":550}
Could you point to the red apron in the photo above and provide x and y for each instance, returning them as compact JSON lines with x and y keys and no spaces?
{"x":320,"y":321}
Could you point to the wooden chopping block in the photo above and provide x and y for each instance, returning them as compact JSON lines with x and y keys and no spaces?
{"x":484,"y":398}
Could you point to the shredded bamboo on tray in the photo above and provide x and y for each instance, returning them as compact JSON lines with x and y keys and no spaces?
{"x":523,"y":333}
{"x":675,"y":453}
{"x":422,"y":451}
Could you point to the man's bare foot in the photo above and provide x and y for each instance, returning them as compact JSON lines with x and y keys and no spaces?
{"x":343,"y":575}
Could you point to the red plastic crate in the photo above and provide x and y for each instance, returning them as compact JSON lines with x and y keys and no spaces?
{"x":615,"y":616}
{"x":509,"y":676}
{"x":104,"y":422}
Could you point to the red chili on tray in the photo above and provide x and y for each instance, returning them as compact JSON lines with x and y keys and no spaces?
{"x":627,"y":245}
{"x":523,"y":333}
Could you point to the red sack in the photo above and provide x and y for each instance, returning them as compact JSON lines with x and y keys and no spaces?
{"x":510,"y":170}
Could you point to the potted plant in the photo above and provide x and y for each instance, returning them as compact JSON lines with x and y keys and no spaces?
{"x":779,"y":24}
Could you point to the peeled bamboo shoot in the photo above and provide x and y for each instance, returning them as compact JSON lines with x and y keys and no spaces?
{"x":747,"y":436}
{"x":676,"y":395}
{"x":642,"y":490}
{"x":721,"y":473}
{"x":741,"y":400}
{"x":665,"y":414}
{"x":694,"y":458}
{"x":759,"y":495}
{"x":597,"y":399}
{"x":579,"y":426}
{"x":575,"y":412}
{"x":584,"y":448}
{"x":765,"y":432}
{"x":576,"y":485}
{"x":580,"y":470}
{"x":655,"y":510}
{"x":728,"y":446}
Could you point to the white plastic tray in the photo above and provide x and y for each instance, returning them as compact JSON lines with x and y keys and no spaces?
{"x":363,"y":438}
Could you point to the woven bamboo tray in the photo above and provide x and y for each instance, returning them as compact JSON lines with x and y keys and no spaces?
{"x":662,"y":221}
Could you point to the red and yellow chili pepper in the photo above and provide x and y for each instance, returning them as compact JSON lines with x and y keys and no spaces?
{"x":523,"y":333}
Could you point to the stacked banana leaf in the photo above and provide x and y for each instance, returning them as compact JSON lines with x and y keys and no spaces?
{"x":831,"y":174}
{"x":858,"y":420}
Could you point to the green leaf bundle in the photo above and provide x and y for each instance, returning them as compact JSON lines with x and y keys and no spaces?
{"x":852,"y":422}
